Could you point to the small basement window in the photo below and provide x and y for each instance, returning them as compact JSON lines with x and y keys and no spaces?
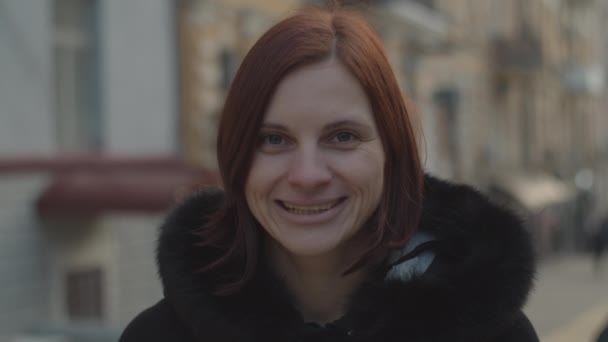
{"x":85,"y":294}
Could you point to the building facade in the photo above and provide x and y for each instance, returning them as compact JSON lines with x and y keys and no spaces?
{"x":510,"y":97}
{"x":82,"y":79}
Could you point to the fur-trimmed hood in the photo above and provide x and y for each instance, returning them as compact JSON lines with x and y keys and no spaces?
{"x":480,"y":273}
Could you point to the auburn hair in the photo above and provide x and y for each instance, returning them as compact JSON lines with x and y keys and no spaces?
{"x":311,"y":35}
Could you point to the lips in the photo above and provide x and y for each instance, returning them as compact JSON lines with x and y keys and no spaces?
{"x":310,"y":209}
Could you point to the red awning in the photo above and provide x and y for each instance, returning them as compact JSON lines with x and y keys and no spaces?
{"x":85,"y":186}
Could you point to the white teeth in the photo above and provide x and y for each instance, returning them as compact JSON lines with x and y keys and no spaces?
{"x":311,"y":209}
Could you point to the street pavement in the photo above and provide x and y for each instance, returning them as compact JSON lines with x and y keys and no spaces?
{"x":570,"y":301}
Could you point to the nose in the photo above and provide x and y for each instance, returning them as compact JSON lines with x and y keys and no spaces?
{"x":308,"y":169}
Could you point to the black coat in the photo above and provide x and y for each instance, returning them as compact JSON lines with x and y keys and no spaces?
{"x":479,"y":278}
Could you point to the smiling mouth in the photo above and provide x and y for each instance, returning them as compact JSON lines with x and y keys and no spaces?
{"x":310,"y":209}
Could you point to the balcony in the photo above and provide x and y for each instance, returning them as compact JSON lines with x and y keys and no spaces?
{"x":580,"y":3}
{"x":93,"y":185}
{"x":579,"y":79}
{"x":420,"y":20}
{"x":522,"y":53}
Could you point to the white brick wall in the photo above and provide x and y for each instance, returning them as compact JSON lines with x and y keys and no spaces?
{"x":76,"y":245}
{"x":123,"y":246}
{"x":25,"y":76}
{"x":23,"y":275}
{"x":135,"y":274}
{"x":139,"y":80}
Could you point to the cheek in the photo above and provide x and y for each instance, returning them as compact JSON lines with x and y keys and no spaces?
{"x":263,"y":175}
{"x":372,"y":185}
{"x":364,"y":173}
{"x":257,"y":188}
{"x":366,"y":168}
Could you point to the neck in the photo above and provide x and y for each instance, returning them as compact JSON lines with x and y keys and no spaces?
{"x":317,"y":283}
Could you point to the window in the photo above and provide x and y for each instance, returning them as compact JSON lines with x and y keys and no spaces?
{"x":76,"y":86}
{"x":427,"y":3}
{"x":446,"y":102}
{"x":228,"y":62}
{"x":84,"y":294}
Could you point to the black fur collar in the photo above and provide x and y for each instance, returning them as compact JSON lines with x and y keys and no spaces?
{"x":477,"y":284}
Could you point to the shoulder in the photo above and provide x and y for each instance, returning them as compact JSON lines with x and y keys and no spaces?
{"x":157,"y":323}
{"x":478,"y":229}
{"x":520,"y":331}
{"x":483,"y":269}
{"x":192,"y":212}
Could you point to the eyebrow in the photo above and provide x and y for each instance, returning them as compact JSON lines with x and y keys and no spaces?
{"x":328,"y":127}
{"x":274,"y":126}
{"x":342,"y":123}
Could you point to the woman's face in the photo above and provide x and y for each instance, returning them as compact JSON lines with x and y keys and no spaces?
{"x":317,"y":174}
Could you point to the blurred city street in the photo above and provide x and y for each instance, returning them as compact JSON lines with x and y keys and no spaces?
{"x":110,"y":112}
{"x":569,"y":302}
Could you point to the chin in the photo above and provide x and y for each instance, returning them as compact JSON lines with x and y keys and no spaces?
{"x":309,"y":249}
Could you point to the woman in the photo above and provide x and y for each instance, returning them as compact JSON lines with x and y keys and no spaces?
{"x":326,"y":228}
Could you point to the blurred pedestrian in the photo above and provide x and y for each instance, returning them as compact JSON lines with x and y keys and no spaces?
{"x":603,"y":336}
{"x":326,"y":228}
{"x":599,"y":244}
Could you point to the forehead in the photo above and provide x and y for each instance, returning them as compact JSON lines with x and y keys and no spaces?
{"x":322,"y":90}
